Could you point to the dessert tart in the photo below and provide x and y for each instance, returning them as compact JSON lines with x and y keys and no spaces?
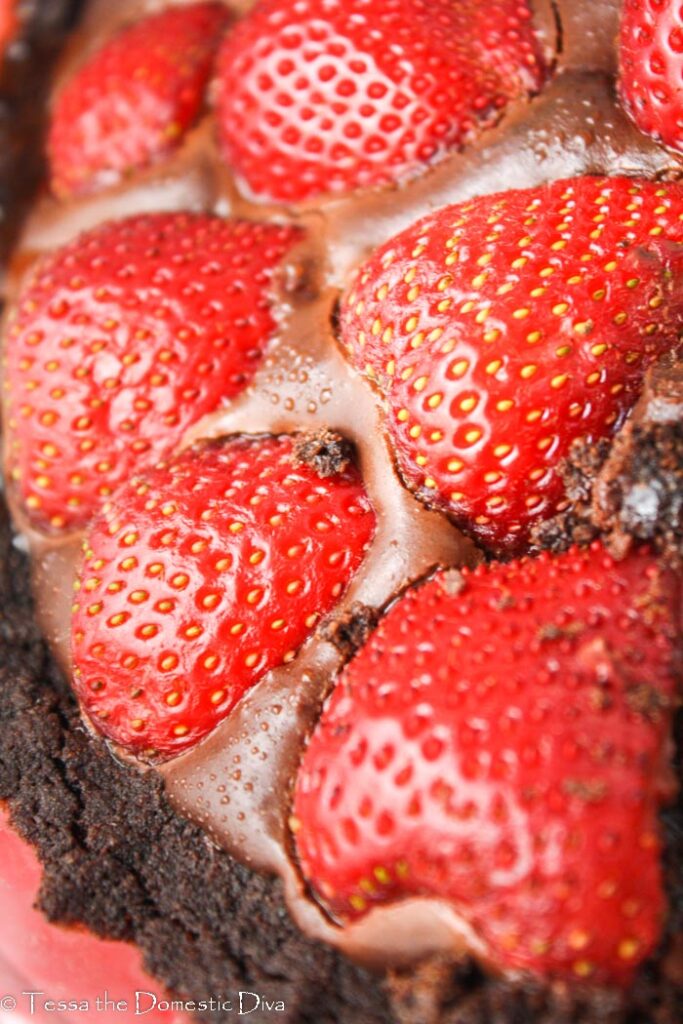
{"x":342,"y":447}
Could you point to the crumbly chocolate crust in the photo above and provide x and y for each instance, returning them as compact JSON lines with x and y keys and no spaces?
{"x":630,"y":490}
{"x":117,"y":858}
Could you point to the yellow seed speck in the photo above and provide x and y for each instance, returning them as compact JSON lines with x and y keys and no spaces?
{"x":628,"y":949}
{"x":559,"y":381}
{"x":578,"y":939}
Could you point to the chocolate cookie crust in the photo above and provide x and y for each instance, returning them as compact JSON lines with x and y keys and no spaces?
{"x":118,"y":859}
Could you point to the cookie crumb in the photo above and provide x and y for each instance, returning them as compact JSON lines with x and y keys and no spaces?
{"x":350,"y":630}
{"x":453,"y":582}
{"x":324,"y":451}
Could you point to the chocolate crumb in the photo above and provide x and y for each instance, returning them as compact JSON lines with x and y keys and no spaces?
{"x":589,"y":791}
{"x":350,"y":630}
{"x":417,"y":996}
{"x":580,"y":469}
{"x":453,"y":582}
{"x":641,"y":493}
{"x":559,"y":533}
{"x":323,"y":451}
{"x":646,"y":700}
{"x":553,"y":632}
{"x":632,"y":489}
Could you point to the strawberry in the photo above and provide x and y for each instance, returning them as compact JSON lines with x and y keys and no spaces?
{"x":502,"y":743}
{"x":651,"y":68}
{"x":132,"y":102}
{"x":123,"y":339}
{"x":502,"y":329}
{"x":8,"y":23}
{"x":202,"y":575}
{"x":324,"y":96}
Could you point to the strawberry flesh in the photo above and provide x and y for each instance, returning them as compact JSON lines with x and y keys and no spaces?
{"x":202,"y":575}
{"x":502,"y":743}
{"x":123,"y":339}
{"x":501,"y":330}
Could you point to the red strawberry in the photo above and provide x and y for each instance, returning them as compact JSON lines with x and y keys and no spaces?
{"x":132,"y":102}
{"x":201,"y":576}
{"x":501,"y":329}
{"x":651,"y":66}
{"x":8,"y":23}
{"x":325,"y":96}
{"x":501,"y":743}
{"x":121,"y":341}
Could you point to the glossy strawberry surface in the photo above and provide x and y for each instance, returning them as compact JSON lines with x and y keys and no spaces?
{"x":651,"y":68}
{"x":502,"y":743}
{"x":132,"y":102}
{"x":325,"y":96}
{"x":200,"y":576}
{"x":501,"y":330}
{"x":123,"y":339}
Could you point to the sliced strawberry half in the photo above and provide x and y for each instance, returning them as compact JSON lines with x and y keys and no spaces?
{"x":123,"y":339}
{"x":133,"y":100}
{"x":651,"y":68}
{"x":503,"y":329}
{"x":202,"y":575}
{"x":319,"y":96}
{"x":502,"y":743}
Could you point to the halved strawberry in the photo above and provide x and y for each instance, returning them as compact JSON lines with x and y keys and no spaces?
{"x":502,"y":743}
{"x":502,"y":329}
{"x":203,"y":574}
{"x":324,"y":96}
{"x":123,"y":339}
{"x":651,"y":68}
{"x":133,"y":100}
